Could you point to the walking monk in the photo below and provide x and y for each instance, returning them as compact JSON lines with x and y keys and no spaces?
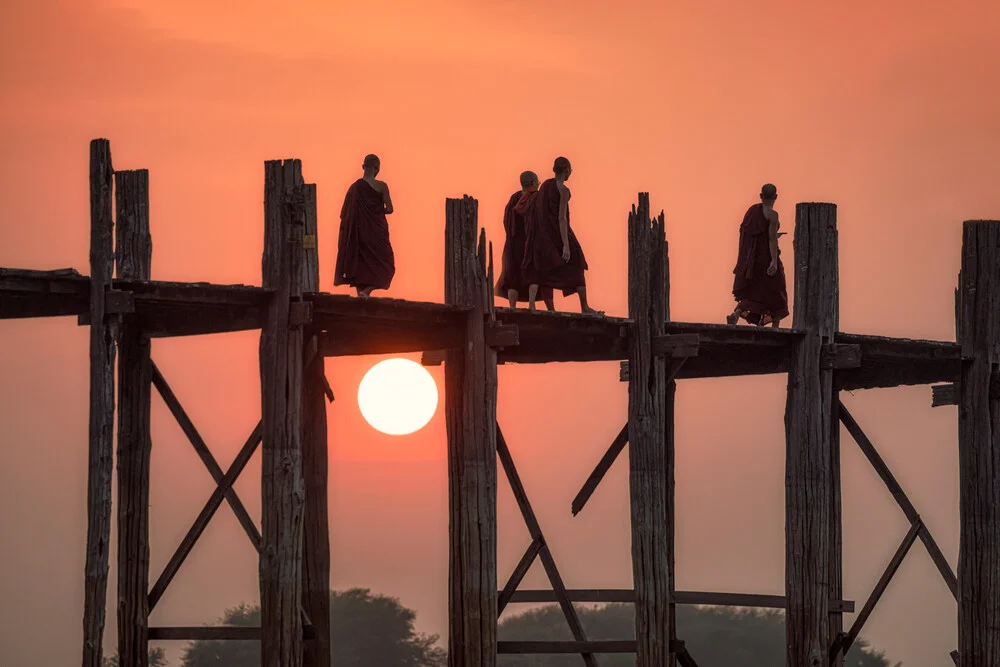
{"x":759,"y":285}
{"x":364,"y":255}
{"x":511,"y":283}
{"x":553,"y":257}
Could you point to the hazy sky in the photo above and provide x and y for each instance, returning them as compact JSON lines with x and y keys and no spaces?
{"x":886,"y":108}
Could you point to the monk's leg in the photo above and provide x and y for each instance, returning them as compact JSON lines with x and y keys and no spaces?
{"x":512,"y":298}
{"x":776,"y":322}
{"x":584,"y":306}
{"x":550,"y":303}
{"x":532,"y":295}
{"x":365,"y":292}
{"x":734,"y":317}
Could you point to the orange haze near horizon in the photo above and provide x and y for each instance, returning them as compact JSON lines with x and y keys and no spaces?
{"x":887,"y":109}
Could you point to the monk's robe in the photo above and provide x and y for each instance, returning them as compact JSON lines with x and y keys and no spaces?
{"x":364,"y":254}
{"x":757,"y":293}
{"x":543,"y":264}
{"x":511,"y":275}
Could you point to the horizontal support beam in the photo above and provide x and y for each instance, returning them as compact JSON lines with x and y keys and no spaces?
{"x":300,"y":313}
{"x":603,"y":646}
{"x":675,"y":345}
{"x":215,"y":633}
{"x":626,"y":595}
{"x":947,"y":394}
{"x":501,"y":335}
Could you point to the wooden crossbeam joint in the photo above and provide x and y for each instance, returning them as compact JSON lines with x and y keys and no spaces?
{"x":116,"y":302}
{"x":432,"y":357}
{"x":300,"y":313}
{"x":840,"y":356}
{"x":500,"y":335}
{"x":947,"y":394}
{"x":675,"y":345}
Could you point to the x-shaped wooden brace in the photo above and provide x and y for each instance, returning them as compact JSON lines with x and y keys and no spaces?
{"x":844,"y":641}
{"x":538,"y":548}
{"x":224,"y":481}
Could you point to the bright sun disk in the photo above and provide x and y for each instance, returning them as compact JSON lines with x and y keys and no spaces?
{"x":397,"y":396}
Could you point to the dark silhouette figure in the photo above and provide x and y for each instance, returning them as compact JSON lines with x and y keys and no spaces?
{"x":365,"y":260}
{"x":553,"y":257}
{"x":511,"y":283}
{"x":759,"y":283}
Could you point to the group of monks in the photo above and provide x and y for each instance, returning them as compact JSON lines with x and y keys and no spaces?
{"x":541,"y":253}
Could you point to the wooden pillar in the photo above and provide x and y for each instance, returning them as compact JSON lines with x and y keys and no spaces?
{"x":979,"y":447}
{"x":282,"y":486}
{"x":808,"y":476}
{"x":133,"y":253}
{"x":647,"y":422}
{"x":668,"y":439}
{"x":836,"y":505}
{"x":470,"y":413}
{"x":315,"y":469}
{"x":102,"y":404}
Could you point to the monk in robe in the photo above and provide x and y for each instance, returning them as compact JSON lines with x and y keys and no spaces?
{"x":511,"y":283}
{"x":553,"y":257}
{"x":365,"y":260}
{"x":759,"y":283}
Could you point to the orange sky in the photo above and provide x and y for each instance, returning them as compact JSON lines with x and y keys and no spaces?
{"x":887,"y":109}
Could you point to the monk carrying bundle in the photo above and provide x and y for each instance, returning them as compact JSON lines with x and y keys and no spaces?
{"x":365,"y":260}
{"x":759,"y":283}
{"x":553,"y":257}
{"x":511,"y":283}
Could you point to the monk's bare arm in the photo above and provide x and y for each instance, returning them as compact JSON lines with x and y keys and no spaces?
{"x":386,"y":199}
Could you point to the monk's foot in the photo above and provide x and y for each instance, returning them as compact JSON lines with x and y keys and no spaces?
{"x":732,"y":318}
{"x":592,"y":311}
{"x":365,"y":293}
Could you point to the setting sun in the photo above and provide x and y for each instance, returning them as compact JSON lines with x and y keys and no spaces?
{"x":397,"y":396}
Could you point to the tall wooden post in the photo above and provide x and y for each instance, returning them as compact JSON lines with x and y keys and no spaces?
{"x":668,"y":439}
{"x":470,"y":413}
{"x":648,"y":470}
{"x":979,"y":447}
{"x":102,"y":404}
{"x":282,"y":486}
{"x":808,"y":485}
{"x":133,"y":254}
{"x":315,"y":469}
{"x":836,"y":505}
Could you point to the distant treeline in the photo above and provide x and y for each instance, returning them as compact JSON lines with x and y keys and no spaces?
{"x":369,"y":630}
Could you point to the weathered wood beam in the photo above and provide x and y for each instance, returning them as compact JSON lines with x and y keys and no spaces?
{"x":376,"y":337}
{"x":912,"y":516}
{"x":840,"y":356}
{"x":893,"y":362}
{"x":315,"y":463}
{"x":216,"y":633}
{"x":836,"y":523}
{"x":223,"y":488}
{"x":808,"y":479}
{"x":675,"y":345}
{"x":470,"y":413}
{"x":504,"y":596}
{"x":600,"y":470}
{"x":947,"y":394}
{"x":704,"y":598}
{"x":102,"y":404}
{"x":979,"y":446}
{"x":883,"y":583}
{"x":582,"y":647}
{"x":535,"y":531}
{"x":133,"y":255}
{"x":649,"y":470}
{"x":282,"y":485}
{"x":204,"y":453}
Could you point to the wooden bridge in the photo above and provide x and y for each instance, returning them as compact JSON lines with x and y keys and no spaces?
{"x":300,"y":326}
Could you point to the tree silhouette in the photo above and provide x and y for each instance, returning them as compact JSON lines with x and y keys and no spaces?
{"x":713,"y":636}
{"x":157,"y":658}
{"x":365,"y":629}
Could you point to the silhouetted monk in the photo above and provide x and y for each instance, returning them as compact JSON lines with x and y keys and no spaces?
{"x":364,"y":255}
{"x":759,"y":285}
{"x":553,"y":257}
{"x":511,"y":283}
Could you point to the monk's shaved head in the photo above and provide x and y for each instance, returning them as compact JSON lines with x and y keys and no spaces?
{"x":560,"y":165}
{"x":528,"y":178}
{"x":768,"y":191}
{"x":371,"y":162}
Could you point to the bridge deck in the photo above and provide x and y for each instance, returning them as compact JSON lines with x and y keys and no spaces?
{"x":355,"y":326}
